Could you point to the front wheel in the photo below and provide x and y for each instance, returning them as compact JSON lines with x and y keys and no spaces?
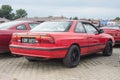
{"x":108,"y":49}
{"x":73,"y":57}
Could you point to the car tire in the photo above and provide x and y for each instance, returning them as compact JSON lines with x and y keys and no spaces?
{"x":73,"y":57}
{"x":108,"y":49}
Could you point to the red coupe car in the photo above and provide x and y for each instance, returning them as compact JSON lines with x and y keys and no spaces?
{"x":62,"y":39}
{"x":8,"y":28}
{"x":114,"y":31}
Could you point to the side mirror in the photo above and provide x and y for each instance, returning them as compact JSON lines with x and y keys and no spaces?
{"x":101,"y":31}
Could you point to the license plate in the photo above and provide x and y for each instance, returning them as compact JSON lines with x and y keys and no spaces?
{"x":28,"y":40}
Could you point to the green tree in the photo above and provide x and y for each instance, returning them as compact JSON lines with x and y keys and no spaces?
{"x":70,"y":18}
{"x":75,"y":18}
{"x":21,"y":13}
{"x":89,"y":20}
{"x":117,"y":18}
{"x":12,"y":16}
{"x":6,"y":11}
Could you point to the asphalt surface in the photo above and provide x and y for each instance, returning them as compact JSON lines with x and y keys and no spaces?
{"x":92,"y":67}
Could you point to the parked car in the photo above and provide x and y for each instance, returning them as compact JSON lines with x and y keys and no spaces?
{"x":8,"y":28}
{"x":114,"y":31}
{"x":62,"y":39}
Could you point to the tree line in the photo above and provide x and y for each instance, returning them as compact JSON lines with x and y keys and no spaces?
{"x":6,"y":11}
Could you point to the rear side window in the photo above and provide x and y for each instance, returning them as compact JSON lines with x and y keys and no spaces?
{"x":33,"y":25}
{"x":79,"y":28}
{"x":21,"y":27}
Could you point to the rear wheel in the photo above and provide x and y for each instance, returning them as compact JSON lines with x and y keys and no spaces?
{"x":73,"y":57}
{"x":108,"y":49}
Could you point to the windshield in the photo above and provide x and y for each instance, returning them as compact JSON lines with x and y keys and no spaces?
{"x":8,"y":24}
{"x":52,"y":27}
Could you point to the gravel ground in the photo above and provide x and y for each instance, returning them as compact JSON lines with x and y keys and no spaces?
{"x":92,"y":67}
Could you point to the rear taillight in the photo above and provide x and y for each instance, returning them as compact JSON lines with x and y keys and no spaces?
{"x":15,"y":38}
{"x":45,"y":39}
{"x":118,"y":35}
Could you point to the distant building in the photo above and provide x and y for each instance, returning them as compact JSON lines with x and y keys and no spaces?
{"x":2,"y":20}
{"x":109,"y":23}
{"x":103,"y":22}
{"x":41,"y":19}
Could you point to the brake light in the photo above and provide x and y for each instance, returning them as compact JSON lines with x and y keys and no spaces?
{"x":15,"y":38}
{"x":46,"y":39}
{"x":118,"y":34}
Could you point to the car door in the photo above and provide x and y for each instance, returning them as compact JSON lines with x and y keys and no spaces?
{"x":82,"y":36}
{"x":94,"y":38}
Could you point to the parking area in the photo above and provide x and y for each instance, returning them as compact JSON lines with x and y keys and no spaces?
{"x":92,"y":67}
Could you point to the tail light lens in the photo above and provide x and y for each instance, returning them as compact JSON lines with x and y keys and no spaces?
{"x":118,"y":34}
{"x":46,"y":39}
{"x":15,"y":38}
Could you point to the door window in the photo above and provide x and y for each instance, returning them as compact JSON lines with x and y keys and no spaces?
{"x":90,"y":29}
{"x":21,"y":27}
{"x":79,"y":28}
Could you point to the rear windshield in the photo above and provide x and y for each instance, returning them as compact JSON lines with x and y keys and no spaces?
{"x":8,"y":24}
{"x":52,"y":27}
{"x":33,"y":25}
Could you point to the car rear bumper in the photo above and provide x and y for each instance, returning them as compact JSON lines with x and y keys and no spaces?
{"x":39,"y":52}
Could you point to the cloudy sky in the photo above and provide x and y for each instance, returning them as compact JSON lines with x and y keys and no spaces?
{"x":98,"y":9}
